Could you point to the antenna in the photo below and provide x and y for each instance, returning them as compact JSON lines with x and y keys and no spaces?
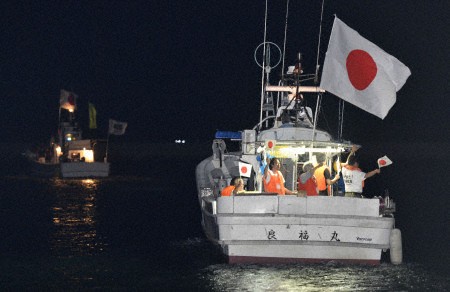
{"x":284,"y":43}
{"x":316,"y":77}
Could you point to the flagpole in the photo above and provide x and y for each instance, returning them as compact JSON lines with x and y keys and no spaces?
{"x":107,"y":145}
{"x":59,"y":128}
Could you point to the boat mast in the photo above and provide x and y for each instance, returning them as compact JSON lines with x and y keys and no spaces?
{"x":284,"y":44}
{"x":316,"y":76}
{"x":263,"y":67}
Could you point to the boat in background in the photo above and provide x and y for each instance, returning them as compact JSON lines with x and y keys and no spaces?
{"x":256,"y":226}
{"x":71,"y":156}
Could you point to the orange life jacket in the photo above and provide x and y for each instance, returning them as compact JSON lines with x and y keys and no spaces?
{"x":310,"y":186}
{"x":275,"y":184}
{"x":226,"y":192}
{"x":320,"y":178}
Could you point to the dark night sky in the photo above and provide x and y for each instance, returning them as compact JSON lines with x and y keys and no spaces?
{"x":182,"y":69}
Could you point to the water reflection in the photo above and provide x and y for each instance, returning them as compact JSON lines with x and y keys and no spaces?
{"x":74,"y":218}
{"x":321,"y":277}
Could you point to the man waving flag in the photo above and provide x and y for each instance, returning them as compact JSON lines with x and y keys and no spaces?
{"x":361,"y":73}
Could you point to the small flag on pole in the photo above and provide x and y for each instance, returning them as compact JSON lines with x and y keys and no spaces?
{"x":270,"y":144}
{"x":68,"y":100}
{"x":92,"y":116}
{"x":116,"y":127}
{"x":245,"y":169}
{"x":384,"y":161}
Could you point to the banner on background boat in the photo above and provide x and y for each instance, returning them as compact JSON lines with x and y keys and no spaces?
{"x":68,"y":100}
{"x":384,"y":161}
{"x":245,"y":169}
{"x":360,"y":72}
{"x":92,"y":116}
{"x":116,"y":127}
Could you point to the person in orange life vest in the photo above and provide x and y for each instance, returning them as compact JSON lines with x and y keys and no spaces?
{"x":323,"y":177}
{"x":307,"y":181}
{"x":273,"y":179}
{"x":236,"y":186}
{"x":354,"y":177}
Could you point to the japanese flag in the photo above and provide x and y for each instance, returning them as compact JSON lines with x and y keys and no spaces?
{"x":361,"y":73}
{"x":270,"y":144}
{"x":245,"y":169}
{"x":68,"y":100}
{"x":384,"y":161}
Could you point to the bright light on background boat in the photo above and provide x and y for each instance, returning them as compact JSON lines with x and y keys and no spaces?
{"x":88,"y":155}
{"x":58,"y":151}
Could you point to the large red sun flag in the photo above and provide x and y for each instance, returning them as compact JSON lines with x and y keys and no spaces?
{"x":361,"y":73}
{"x":245,"y":169}
{"x":384,"y":161}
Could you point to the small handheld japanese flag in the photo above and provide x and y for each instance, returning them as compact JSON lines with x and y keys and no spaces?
{"x":245,"y":169}
{"x":384,"y":161}
{"x":270,"y":144}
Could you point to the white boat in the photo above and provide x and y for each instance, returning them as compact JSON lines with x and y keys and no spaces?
{"x":76,"y":166}
{"x":260,"y":227}
{"x":71,"y":156}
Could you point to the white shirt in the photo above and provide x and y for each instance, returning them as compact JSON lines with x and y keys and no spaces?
{"x":353,"y":180}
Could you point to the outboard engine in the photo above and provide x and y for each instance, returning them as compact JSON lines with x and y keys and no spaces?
{"x":218,"y":148}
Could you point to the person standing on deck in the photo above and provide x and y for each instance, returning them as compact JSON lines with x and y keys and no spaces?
{"x":273,"y":179}
{"x":323,"y":177}
{"x":307,"y":181}
{"x":354,"y":177}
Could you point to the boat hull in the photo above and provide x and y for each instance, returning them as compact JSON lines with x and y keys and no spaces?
{"x":70,"y":169}
{"x":46,"y":170}
{"x":273,"y":254}
{"x":83,"y":169}
{"x":289,"y":229}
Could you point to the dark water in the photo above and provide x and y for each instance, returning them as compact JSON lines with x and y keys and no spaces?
{"x":140,"y":230}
